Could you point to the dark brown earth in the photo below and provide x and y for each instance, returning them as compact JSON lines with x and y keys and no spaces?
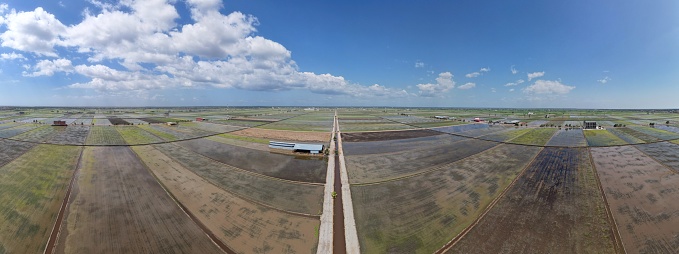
{"x":386,"y":135}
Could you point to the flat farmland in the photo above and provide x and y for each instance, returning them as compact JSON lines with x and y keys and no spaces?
{"x":602,"y":138}
{"x":568,"y":138}
{"x":554,"y":207}
{"x":11,"y":132}
{"x":505,"y":135}
{"x":484,"y":131}
{"x":104,"y":135}
{"x":658,"y":133}
{"x":380,"y":167}
{"x":39,"y":134}
{"x":536,"y":136}
{"x":631,"y":136}
{"x":288,"y":167}
{"x":159,"y":133}
{"x":642,"y":195}
{"x":134,"y":135}
{"x":72,"y":135}
{"x":212,"y":127}
{"x":316,"y":121}
{"x":10,"y":149}
{"x":33,"y":187}
{"x":243,"y":226}
{"x":396,"y":145}
{"x":283,"y":195}
{"x":422,"y":213}
{"x":283,"y":135}
{"x":386,"y":135}
{"x":258,"y":144}
{"x":189,"y":130}
{"x":665,"y":152}
{"x":461,"y":128}
{"x":117,"y":206}
{"x":372,"y":125}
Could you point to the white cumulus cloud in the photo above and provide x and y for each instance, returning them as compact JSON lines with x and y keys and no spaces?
{"x":535,"y":75}
{"x":444,"y":83}
{"x":514,"y":71}
{"x":50,"y":67}
{"x":548,"y":87}
{"x":153,"y":51}
{"x":467,"y":86}
{"x":419,"y":64}
{"x":11,"y":56}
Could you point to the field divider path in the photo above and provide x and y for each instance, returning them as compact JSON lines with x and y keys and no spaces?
{"x":325,"y":231}
{"x":245,"y":198}
{"x":429,"y":170}
{"x":617,"y":239}
{"x":350,"y":233}
{"x":471,"y":226}
{"x":186,"y":211}
{"x":56,"y":229}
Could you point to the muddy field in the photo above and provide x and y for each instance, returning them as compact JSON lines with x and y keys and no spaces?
{"x":554,"y":207}
{"x":117,"y":206}
{"x":294,"y":168}
{"x":283,"y":195}
{"x":381,"y":167}
{"x":420,"y":214}
{"x":461,"y":128}
{"x":625,"y":134}
{"x":243,"y":226}
{"x":396,"y":145}
{"x":33,"y":187}
{"x":665,"y":152}
{"x":386,"y":135}
{"x":642,"y":195}
{"x":284,"y":135}
{"x":72,"y":135}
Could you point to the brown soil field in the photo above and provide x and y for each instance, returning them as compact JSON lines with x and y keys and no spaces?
{"x":555,"y":206}
{"x":386,"y":135}
{"x":381,"y":167}
{"x":283,"y":135}
{"x":243,"y":226}
{"x":420,"y":214}
{"x":642,"y":195}
{"x":294,"y":168}
{"x":397,"y":145}
{"x":32,"y":189}
{"x":117,"y":206}
{"x":273,"y":192}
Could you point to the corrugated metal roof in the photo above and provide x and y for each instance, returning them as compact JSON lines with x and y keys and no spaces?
{"x":309,"y":147}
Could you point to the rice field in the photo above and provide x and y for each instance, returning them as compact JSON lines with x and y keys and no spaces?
{"x":33,"y":186}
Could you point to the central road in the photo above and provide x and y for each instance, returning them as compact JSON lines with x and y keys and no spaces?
{"x":337,"y":233}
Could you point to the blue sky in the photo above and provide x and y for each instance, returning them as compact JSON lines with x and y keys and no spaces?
{"x":574,"y":54}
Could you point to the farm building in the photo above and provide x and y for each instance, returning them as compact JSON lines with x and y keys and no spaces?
{"x":171,"y":123}
{"x":296,"y":147}
{"x":199,"y":119}
{"x":589,"y":125}
{"x":59,"y":123}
